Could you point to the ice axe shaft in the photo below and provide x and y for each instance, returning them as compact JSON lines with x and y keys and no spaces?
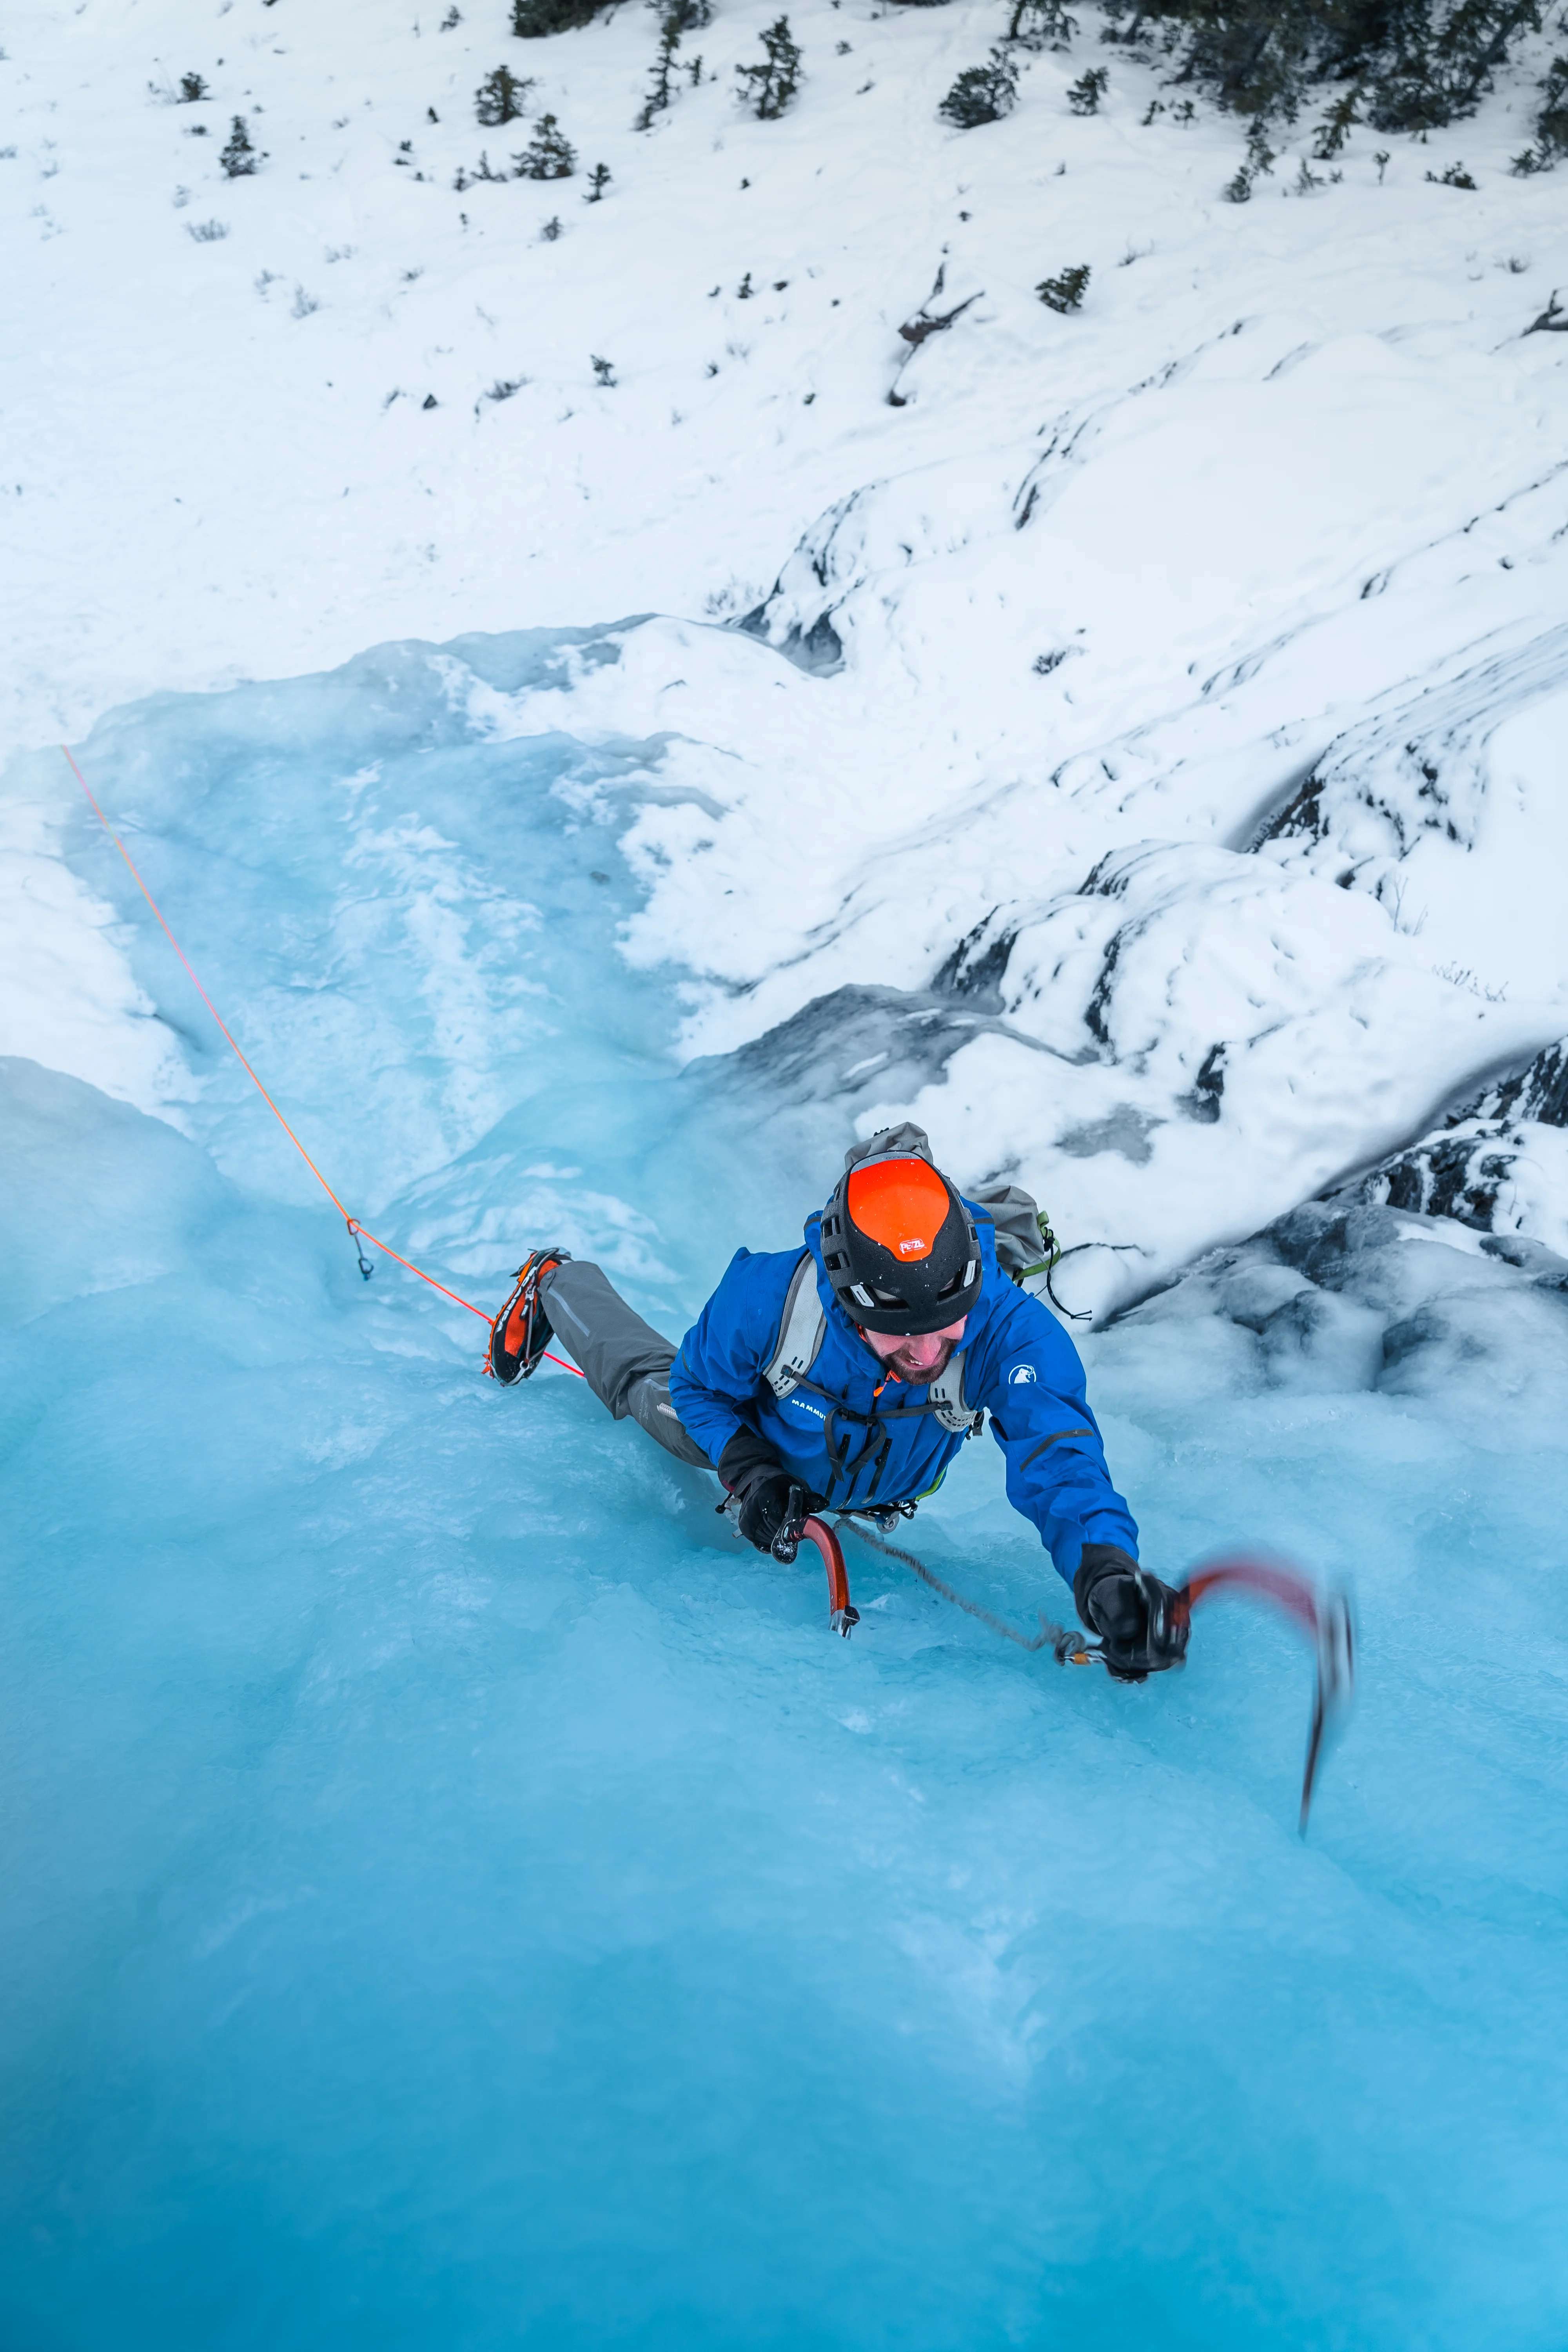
{"x":842,"y":1613}
{"x":801,"y":1526}
{"x":1325,"y":1618}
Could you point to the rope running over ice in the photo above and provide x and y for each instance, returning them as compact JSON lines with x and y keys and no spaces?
{"x":355,"y":1228}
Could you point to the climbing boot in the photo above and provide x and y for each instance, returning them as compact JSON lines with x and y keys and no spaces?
{"x":520,"y":1332}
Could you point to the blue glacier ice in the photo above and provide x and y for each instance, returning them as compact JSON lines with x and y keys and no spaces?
{"x":457,"y":1898}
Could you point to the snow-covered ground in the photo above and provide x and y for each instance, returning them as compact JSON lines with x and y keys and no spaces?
{"x":461,"y":1900}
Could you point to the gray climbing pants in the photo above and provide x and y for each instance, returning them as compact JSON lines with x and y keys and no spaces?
{"x":623,"y":1360}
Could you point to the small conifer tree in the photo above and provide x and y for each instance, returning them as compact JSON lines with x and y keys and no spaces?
{"x":1086,"y":93}
{"x":773,"y":82}
{"x":1040,"y":25}
{"x":983,"y":94}
{"x":549,"y":154}
{"x":193,"y":90}
{"x":239,"y":158}
{"x":1336,"y":126}
{"x":656,"y":100}
{"x":1066,"y":291}
{"x":1259,"y":159}
{"x":598,"y":181}
{"x":499,"y":98}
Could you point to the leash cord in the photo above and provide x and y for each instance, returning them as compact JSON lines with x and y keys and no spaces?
{"x":1052,"y":1637}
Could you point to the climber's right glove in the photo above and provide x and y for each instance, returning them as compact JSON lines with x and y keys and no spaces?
{"x":753,"y":1471}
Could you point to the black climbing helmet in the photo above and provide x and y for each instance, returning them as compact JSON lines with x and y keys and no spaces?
{"x":899,"y":1246}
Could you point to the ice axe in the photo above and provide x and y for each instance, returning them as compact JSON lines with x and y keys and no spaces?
{"x":801,"y":1526}
{"x":1323,"y":1615}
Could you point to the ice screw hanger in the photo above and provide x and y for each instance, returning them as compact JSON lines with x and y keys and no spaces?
{"x":355,"y":1229}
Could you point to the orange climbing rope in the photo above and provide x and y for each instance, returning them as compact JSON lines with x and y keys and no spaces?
{"x":355,"y":1228}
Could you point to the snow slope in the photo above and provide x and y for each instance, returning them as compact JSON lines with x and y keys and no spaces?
{"x":1107,"y":586}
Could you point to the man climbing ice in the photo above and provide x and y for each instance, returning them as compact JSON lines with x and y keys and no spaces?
{"x":846,"y":1376}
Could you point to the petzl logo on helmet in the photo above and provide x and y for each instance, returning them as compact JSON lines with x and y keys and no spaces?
{"x":1019,"y":1374}
{"x":916,"y":1247}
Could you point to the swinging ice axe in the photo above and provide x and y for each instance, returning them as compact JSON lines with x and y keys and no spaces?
{"x":1324,"y":1616}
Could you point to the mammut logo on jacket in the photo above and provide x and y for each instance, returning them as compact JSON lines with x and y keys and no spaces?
{"x":1019,"y":1374}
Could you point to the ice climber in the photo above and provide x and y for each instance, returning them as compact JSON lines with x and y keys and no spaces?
{"x":844,"y":1377}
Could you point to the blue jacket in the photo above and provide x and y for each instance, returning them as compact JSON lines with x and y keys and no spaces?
{"x":1018,"y":1363}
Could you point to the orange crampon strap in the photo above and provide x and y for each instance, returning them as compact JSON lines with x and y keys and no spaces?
{"x":355,"y":1229}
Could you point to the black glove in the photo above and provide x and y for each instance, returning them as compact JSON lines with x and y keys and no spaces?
{"x":750,"y":1469}
{"x":765,"y":1509}
{"x":1143,"y":1623}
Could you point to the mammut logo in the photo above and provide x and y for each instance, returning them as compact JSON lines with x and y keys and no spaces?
{"x":1019,"y":1374}
{"x":801,"y":1405}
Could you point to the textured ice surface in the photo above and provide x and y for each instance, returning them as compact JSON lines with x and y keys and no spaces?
{"x":457,"y":1898}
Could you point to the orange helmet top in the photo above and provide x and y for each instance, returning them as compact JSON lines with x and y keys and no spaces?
{"x":901,"y":1203}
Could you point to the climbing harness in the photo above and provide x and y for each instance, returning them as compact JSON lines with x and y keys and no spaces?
{"x":803,"y":1327}
{"x":356,"y":1231}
